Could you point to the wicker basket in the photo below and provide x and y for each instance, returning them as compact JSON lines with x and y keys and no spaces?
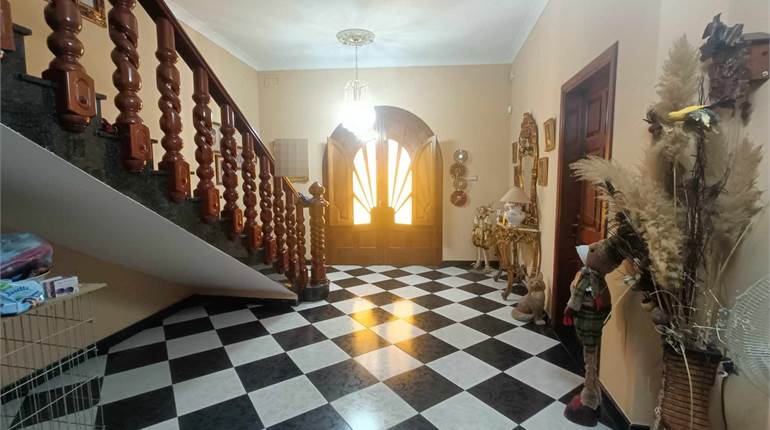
{"x":674,"y":402}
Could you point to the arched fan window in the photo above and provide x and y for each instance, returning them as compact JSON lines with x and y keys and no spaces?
{"x":400,"y":182}
{"x":365,"y":183}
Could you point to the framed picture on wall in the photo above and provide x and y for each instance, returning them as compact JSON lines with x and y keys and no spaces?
{"x":542,"y":172}
{"x":93,"y":10}
{"x":515,"y":152}
{"x":517,"y":176}
{"x":550,"y":134}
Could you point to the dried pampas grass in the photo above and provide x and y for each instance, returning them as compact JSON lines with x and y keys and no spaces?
{"x":678,"y":85}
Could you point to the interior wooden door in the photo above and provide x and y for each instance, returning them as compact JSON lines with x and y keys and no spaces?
{"x":384,"y":193}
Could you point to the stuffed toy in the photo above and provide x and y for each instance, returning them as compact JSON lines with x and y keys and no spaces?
{"x":532,"y":306}
{"x":588,"y":308}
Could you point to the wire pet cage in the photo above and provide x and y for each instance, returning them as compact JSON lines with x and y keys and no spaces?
{"x":49,"y":368}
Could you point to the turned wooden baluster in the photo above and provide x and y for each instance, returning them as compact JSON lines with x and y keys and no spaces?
{"x":280,"y":226}
{"x":301,"y":278}
{"x":291,"y":231}
{"x":231,"y":212}
{"x":167,"y":77}
{"x":266,"y":208}
{"x":252,"y":231}
{"x":6,"y":28}
{"x":75,"y":95}
{"x":318,"y":237}
{"x":135,"y":136}
{"x":204,"y":153}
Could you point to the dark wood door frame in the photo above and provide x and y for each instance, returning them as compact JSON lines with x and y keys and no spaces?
{"x":564,"y":221}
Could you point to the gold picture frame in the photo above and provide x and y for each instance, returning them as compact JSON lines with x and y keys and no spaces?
{"x":515,"y":152}
{"x":550,"y":134}
{"x":94,"y":11}
{"x":517,"y":176}
{"x":542,"y":172}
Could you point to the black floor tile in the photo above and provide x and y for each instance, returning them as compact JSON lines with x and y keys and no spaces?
{"x":429,"y":321}
{"x":488,"y":325}
{"x":433,"y":275}
{"x":268,"y":311}
{"x":139,"y":411}
{"x":544,"y":329}
{"x":324,"y":417}
{"x":431,"y":301}
{"x":498,"y":354}
{"x":474,"y":276}
{"x":268,"y":371}
{"x":341,"y":379}
{"x":320,"y":313}
{"x":426,"y":347}
{"x":56,"y":403}
{"x":233,"y":414}
{"x":241,"y":332}
{"x":223,"y":307}
{"x":477,"y":289}
{"x":397,"y":273}
{"x":199,"y":364}
{"x":298,"y":337}
{"x":135,"y":357}
{"x":359,"y":272}
{"x":482,"y":304}
{"x":339,"y":295}
{"x":422,"y":387}
{"x":383,"y":298}
{"x":349,"y":282}
{"x":390,"y":284}
{"x":360,"y":342}
{"x":187,"y":328}
{"x":433,"y":287}
{"x":511,"y":397}
{"x":558,"y":355}
{"x":417,"y":422}
{"x":373,"y":317}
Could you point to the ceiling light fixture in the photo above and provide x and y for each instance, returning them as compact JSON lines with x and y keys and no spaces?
{"x":357,"y":112}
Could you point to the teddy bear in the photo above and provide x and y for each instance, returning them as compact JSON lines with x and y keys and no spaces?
{"x":587,"y":309}
{"x":532,"y":305}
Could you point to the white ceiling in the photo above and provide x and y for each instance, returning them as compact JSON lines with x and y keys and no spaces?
{"x":300,"y":34}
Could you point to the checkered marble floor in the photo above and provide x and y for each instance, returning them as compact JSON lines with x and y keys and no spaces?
{"x":401,"y":348}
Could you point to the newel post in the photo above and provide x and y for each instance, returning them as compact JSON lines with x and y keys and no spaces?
{"x":135,"y":136}
{"x":319,"y":285}
{"x":75,"y":94}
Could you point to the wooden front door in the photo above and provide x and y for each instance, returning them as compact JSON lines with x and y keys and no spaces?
{"x":586,"y":130}
{"x":384,"y":193}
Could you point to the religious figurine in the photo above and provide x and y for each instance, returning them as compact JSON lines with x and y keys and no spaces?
{"x":588,"y":308}
{"x":482,"y":237}
{"x":532,"y":305}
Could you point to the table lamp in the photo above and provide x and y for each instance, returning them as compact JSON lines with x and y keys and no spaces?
{"x":514,"y":201}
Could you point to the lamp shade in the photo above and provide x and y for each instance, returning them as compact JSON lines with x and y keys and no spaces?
{"x":515,"y":195}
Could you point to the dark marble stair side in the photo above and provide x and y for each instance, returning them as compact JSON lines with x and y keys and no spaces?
{"x":28,"y":106}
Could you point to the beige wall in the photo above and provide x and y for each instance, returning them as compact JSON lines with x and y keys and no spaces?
{"x":239,"y":79}
{"x":466,"y":106}
{"x":566,"y":38}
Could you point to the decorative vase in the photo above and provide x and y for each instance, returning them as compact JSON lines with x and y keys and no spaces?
{"x":674,"y":401}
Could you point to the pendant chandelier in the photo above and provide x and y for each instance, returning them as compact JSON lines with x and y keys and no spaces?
{"x":357,"y":112}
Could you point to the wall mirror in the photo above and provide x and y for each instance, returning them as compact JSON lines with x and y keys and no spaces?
{"x":528,"y":156}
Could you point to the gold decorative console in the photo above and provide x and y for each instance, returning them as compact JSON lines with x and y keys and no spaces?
{"x":508,"y":238}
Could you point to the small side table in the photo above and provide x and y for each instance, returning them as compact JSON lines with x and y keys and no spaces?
{"x":508,"y":238}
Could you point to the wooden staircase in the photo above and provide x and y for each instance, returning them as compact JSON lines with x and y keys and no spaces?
{"x":262,"y":225}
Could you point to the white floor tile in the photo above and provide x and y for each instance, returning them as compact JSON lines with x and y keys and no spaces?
{"x":457,"y":312}
{"x":413,"y":280}
{"x":127,"y":384}
{"x":455,"y":295}
{"x":332,"y":287}
{"x":527,"y":340}
{"x":490,"y":282}
{"x":404,"y":308}
{"x":498,"y":297}
{"x":186,"y":315}
{"x":452,"y":271}
{"x":317,"y":356}
{"x":228,"y":319}
{"x":346,"y":267}
{"x":192,"y":344}
{"x":365,"y":290}
{"x":172,"y":424}
{"x":505,"y":315}
{"x":397,"y":331}
{"x":207,"y":390}
{"x":374,"y":407}
{"x":463,"y":369}
{"x":409,"y":292}
{"x":545,"y":377}
{"x":373,"y":277}
{"x":416,"y":269}
{"x":283,"y":322}
{"x":380,"y":269}
{"x":252,"y":350}
{"x":386,"y":362}
{"x":144,"y":337}
{"x":92,"y":367}
{"x":464,"y":411}
{"x":351,"y":306}
{"x":552,"y":418}
{"x":453,"y":281}
{"x":335,"y":327}
{"x":285,"y":400}
{"x":459,"y":336}
{"x":308,"y":305}
{"x":338,"y":276}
